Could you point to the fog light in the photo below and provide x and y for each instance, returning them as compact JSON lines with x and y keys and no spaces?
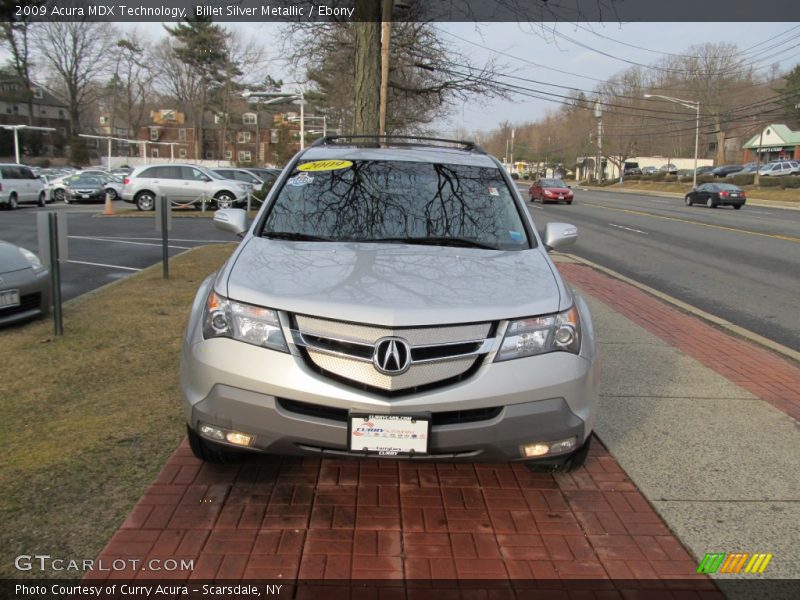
{"x":563,"y":446}
{"x":531,"y":450}
{"x":214,"y":433}
{"x":239,"y":438}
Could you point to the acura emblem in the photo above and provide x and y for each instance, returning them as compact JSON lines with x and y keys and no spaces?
{"x":392,"y":356}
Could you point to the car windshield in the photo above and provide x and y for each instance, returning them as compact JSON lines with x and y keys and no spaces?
{"x":401,"y":202}
{"x":86,"y":180}
{"x":556,"y":183}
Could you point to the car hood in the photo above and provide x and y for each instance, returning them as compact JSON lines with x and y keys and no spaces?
{"x":11,"y":258}
{"x":393,"y":284}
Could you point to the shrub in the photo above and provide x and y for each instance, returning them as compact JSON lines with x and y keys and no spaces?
{"x":741,"y":179}
{"x":705,"y":178}
{"x":791,"y":182}
{"x":670,"y":177}
{"x":770,"y":181}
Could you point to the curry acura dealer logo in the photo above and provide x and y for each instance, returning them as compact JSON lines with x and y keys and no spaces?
{"x":392,"y":355}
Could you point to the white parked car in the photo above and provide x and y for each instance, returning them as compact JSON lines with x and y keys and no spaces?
{"x":19,"y":184}
{"x":182,"y":184}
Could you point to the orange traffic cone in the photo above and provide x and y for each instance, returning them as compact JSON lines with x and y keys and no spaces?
{"x":109,"y":208}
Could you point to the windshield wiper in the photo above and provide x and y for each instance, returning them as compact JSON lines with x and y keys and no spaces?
{"x":434,"y":241}
{"x":293,"y":236}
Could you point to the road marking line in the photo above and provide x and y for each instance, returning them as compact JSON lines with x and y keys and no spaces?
{"x":776,"y":236}
{"x":629,"y":229}
{"x":94,"y":264}
{"x":118,"y":241}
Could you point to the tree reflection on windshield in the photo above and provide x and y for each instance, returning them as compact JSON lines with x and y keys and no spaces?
{"x":400,"y":201}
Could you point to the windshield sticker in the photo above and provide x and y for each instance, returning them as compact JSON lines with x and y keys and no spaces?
{"x":493,"y":191}
{"x":325,"y":165}
{"x":300,"y":180}
{"x":516,"y":236}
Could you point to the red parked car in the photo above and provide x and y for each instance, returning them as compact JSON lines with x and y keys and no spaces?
{"x":551,"y":190}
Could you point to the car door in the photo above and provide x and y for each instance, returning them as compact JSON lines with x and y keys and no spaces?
{"x":195,"y":184}
{"x":703,"y":192}
{"x":536,"y":189}
{"x":30,"y":183}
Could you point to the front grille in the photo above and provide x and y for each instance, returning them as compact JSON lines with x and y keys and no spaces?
{"x":439,"y":355}
{"x":26,"y":302}
{"x":452,"y":417}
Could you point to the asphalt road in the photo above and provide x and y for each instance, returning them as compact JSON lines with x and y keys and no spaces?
{"x":102,"y":250}
{"x":742,"y":266}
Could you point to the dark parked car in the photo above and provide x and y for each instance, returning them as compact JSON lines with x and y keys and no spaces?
{"x":723,"y":170}
{"x":704,"y":169}
{"x":748,"y":168}
{"x":717,"y":194}
{"x":85,"y":188}
{"x":551,"y":190}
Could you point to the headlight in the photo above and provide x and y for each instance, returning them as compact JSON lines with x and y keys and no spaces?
{"x":539,"y":335}
{"x":243,"y":186}
{"x":243,"y":322}
{"x":33,"y":259}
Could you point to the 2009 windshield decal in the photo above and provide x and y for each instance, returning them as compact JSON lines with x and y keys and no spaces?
{"x":325,"y":165}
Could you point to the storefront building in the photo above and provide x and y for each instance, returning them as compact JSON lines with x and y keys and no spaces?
{"x":774,"y":142}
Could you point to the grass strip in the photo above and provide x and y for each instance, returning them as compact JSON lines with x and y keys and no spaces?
{"x":89,"y":418}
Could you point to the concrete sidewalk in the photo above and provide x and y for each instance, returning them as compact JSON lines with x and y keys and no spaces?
{"x":701,"y":454}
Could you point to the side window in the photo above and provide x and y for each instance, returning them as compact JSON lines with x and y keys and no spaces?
{"x":171,"y":172}
{"x":150,"y":173}
{"x":225,"y":173}
{"x":26,"y":173}
{"x":242,"y":176}
{"x":6,"y":173}
{"x":193,"y":174}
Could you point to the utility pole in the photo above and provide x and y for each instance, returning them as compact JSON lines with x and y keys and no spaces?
{"x":758,"y":156}
{"x":598,"y":113}
{"x":386,"y":42}
{"x":512,"y":149}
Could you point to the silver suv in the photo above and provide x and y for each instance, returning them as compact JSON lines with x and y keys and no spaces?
{"x":181,"y":184}
{"x":391,"y":301}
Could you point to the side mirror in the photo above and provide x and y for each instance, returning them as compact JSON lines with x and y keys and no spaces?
{"x":559,"y":235}
{"x":231,"y":219}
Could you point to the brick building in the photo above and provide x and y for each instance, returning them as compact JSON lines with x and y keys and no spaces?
{"x":47,"y":111}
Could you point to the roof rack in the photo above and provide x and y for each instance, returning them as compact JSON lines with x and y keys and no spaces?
{"x":397,"y":140}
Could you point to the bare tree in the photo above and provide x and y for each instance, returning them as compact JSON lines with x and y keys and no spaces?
{"x":78,"y":55}
{"x":15,"y":34}
{"x":131,"y":86}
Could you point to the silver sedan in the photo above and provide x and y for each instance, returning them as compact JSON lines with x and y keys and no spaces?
{"x":24,"y":285}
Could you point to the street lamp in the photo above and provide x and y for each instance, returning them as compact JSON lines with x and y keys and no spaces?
{"x":279,"y":96}
{"x":688,"y":104}
{"x":16,"y":128}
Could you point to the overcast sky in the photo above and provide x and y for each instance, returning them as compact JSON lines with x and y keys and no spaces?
{"x":533,"y":43}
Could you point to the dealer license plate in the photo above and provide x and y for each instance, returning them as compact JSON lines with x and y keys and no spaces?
{"x":84,"y":195}
{"x":389,"y":435}
{"x":9,"y":298}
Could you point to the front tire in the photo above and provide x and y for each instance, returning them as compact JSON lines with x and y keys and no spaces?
{"x":42,"y":202}
{"x":145,"y":201}
{"x":224,"y":200}
{"x":688,"y":201}
{"x":60,"y":195}
{"x":208,"y":451}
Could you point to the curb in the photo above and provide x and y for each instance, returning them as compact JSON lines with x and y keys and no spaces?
{"x":688,"y":308}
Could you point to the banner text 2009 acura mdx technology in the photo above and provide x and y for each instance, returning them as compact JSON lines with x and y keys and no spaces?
{"x":391,"y":301}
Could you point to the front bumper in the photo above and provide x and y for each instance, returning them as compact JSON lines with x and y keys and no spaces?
{"x":34,"y":296}
{"x":254,"y":390}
